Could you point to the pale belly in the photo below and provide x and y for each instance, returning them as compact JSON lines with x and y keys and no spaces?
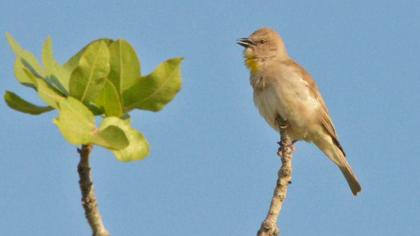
{"x":293,"y":102}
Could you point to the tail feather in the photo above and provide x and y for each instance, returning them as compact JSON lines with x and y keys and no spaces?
{"x":335,"y":153}
{"x":351,"y":179}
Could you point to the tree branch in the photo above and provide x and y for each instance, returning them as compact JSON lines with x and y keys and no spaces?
{"x":269,"y":226}
{"x":88,"y":193}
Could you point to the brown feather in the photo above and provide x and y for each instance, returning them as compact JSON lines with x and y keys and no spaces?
{"x":325,"y":119}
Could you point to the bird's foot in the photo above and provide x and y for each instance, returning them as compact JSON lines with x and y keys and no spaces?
{"x":283,"y":125}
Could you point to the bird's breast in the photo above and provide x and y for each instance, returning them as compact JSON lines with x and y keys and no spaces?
{"x":287,"y":96}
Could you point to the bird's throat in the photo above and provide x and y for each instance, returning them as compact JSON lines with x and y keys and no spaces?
{"x":252,"y":64}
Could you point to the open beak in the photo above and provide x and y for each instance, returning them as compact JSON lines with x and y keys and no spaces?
{"x":245,"y":42}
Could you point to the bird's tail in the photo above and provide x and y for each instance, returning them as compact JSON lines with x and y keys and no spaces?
{"x":351,"y":178}
{"x":336,"y":154}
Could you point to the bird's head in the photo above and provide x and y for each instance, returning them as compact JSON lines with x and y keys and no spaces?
{"x":263,"y":44}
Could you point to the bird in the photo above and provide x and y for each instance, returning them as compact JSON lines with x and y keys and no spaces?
{"x":282,"y":89}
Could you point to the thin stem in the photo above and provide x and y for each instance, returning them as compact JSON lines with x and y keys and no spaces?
{"x":88,"y":193}
{"x":269,"y":226}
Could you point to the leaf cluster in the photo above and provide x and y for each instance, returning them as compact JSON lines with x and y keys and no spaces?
{"x":103,"y":79}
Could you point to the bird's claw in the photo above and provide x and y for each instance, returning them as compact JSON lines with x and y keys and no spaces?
{"x":283,"y":126}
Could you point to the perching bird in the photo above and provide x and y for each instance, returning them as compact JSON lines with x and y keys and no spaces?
{"x":283,"y":89}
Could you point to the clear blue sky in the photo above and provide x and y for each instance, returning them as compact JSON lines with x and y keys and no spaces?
{"x":213,"y":163}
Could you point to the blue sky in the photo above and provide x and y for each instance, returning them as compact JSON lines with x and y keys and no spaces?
{"x":213,"y":164}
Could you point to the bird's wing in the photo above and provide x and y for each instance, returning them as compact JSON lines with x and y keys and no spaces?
{"x":325,"y":119}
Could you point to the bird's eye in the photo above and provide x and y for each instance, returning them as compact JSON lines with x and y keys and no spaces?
{"x":262,"y":41}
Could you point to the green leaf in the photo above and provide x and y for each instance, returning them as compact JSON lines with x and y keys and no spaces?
{"x":21,"y":75}
{"x":75,"y":121}
{"x":125,"y":66}
{"x":48,"y":94}
{"x":24,"y":59}
{"x":28,"y":59}
{"x":73,"y":62}
{"x":155,"y":90}
{"x":17,"y":103}
{"x":111,"y":137}
{"x":95,"y":109}
{"x":88,"y":78}
{"x":109,"y":100}
{"x":77,"y":124}
{"x":55,"y":74}
{"x":138,"y":147}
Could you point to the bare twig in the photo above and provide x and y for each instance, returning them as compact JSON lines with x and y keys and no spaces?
{"x":269,"y":226}
{"x":88,"y":194}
